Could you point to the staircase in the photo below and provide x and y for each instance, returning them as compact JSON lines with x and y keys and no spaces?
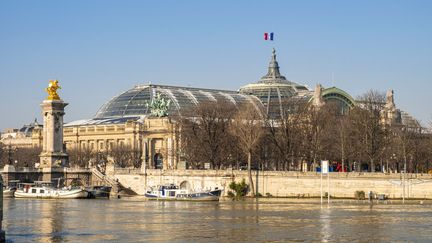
{"x":109,"y":181}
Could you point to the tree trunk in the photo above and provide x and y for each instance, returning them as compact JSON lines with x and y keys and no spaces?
{"x":342,"y":147}
{"x":251,"y":185}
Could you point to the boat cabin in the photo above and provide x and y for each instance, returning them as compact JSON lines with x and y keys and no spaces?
{"x":167,"y":191}
{"x":12,"y":184}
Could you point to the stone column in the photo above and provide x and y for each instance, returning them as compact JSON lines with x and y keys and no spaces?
{"x":144,"y":156}
{"x":53,"y":154}
{"x":150,"y":153}
{"x":170,"y":153}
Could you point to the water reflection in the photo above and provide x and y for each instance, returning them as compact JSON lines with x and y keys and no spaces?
{"x":325,"y":224}
{"x":135,"y":220}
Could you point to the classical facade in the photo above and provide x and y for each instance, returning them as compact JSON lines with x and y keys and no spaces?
{"x":142,"y":118}
{"x":129,"y":120}
{"x":28,"y":136}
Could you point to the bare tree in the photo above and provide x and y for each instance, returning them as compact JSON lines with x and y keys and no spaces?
{"x":27,"y":157}
{"x":343,"y":138}
{"x":81,"y":156}
{"x":412,"y":145}
{"x":248,"y":128}
{"x":317,"y":133}
{"x":125,"y":156}
{"x":371,"y":134}
{"x":284,"y":132}
{"x":19,"y":156}
{"x":205,"y":136}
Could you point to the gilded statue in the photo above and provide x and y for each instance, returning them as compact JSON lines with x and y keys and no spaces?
{"x":52,"y":90}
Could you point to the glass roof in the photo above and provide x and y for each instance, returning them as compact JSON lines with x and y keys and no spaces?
{"x":183,"y":100}
{"x":273,"y":92}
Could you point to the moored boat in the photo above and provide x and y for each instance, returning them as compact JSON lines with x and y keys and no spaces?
{"x":98,"y":191}
{"x":173,"y":192}
{"x":44,"y":190}
{"x":9,"y":190}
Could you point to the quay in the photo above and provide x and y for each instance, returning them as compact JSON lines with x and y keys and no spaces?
{"x":283,"y":184}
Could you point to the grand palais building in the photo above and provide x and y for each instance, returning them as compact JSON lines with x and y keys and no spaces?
{"x":127,"y":120}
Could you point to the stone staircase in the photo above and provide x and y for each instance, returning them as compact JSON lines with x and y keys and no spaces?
{"x":109,"y":181}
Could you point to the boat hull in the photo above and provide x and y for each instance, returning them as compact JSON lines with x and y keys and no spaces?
{"x":202,"y":199}
{"x":71,"y":194}
{"x":196,"y":197}
{"x":8,"y":193}
{"x":99,"y":192}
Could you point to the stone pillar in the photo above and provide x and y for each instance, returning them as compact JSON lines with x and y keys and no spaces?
{"x":144,"y":156}
{"x":150,"y":154}
{"x":53,"y":154}
{"x":170,"y":153}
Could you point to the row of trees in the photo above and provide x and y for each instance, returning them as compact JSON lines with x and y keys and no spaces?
{"x":224,"y":136}
{"x":20,"y":157}
{"x":123,"y":156}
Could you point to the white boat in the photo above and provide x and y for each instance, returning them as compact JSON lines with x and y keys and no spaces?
{"x":173,"y":192}
{"x":44,"y":190}
{"x":9,"y":190}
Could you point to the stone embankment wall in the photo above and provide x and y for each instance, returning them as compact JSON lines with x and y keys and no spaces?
{"x":65,"y":174}
{"x":285,"y":184}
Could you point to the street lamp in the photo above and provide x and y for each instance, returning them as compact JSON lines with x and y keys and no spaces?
{"x":10,"y":151}
{"x":393,"y":159}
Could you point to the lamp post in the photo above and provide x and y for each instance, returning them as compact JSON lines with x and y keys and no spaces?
{"x":403,"y":182}
{"x":393,"y":160}
{"x":10,"y":151}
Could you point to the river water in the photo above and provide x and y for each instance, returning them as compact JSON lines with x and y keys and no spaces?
{"x":287,"y":220}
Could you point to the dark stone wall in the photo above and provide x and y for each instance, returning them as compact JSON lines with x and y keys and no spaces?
{"x":66,"y":178}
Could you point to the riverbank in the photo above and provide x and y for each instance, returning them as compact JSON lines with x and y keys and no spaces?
{"x":286,"y":184}
{"x":314,"y":200}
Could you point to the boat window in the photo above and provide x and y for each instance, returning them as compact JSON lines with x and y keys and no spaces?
{"x":42,"y":191}
{"x":172,"y":193}
{"x":33,"y":191}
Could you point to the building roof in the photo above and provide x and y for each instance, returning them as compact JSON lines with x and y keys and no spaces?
{"x":101,"y":121}
{"x":272,"y":93}
{"x":135,"y":102}
{"x":273,"y":89}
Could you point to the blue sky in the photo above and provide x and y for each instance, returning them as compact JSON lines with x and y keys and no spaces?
{"x":98,"y":49}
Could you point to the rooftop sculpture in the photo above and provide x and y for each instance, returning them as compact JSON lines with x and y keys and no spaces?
{"x":159,"y":106}
{"x":52,"y":90}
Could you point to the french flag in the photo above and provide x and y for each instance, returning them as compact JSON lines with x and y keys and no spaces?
{"x":268,"y":36}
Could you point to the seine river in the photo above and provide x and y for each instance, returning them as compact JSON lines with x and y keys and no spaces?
{"x":286,"y":220}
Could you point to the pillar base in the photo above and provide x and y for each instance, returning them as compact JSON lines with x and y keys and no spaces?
{"x":53,"y":174}
{"x":53,"y":160}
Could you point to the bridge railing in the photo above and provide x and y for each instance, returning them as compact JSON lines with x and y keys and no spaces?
{"x":106,"y":178}
{"x":127,"y":171}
